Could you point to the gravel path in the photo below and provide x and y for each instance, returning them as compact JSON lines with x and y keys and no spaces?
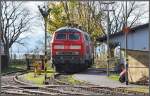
{"x":100,"y":78}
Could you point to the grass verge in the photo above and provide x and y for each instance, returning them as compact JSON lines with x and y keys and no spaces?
{"x":14,"y":68}
{"x":70,"y":80}
{"x":144,"y":89}
{"x":39,"y":79}
{"x":114,"y":77}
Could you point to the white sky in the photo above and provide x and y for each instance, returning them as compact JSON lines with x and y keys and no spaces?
{"x":37,"y":32}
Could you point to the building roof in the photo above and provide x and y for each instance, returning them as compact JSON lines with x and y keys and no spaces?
{"x":68,"y":29}
{"x":101,"y":39}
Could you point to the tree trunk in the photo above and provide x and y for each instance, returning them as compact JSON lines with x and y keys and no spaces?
{"x":7,"y":58}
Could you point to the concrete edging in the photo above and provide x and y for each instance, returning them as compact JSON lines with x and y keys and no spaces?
{"x":29,"y":84}
{"x":21,"y":82}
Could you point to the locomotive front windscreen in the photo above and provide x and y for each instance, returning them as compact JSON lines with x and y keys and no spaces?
{"x":65,"y":36}
{"x":61,"y":36}
{"x":74,"y":36}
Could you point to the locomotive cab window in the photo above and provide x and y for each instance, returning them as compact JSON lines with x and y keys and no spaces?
{"x":87,"y":38}
{"x":74,"y":36}
{"x":60,"y":36}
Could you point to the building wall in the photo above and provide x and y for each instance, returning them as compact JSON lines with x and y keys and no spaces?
{"x":138,"y":55}
{"x":135,"y":40}
{"x":138,"y":40}
{"x":138,"y":58}
{"x":138,"y":62}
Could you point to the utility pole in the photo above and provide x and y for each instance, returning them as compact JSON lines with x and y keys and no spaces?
{"x":126,"y":46}
{"x":149,"y":56}
{"x":45,"y":19}
{"x":108,"y":33}
{"x":0,"y":40}
{"x":108,"y":57}
{"x":45,"y":14}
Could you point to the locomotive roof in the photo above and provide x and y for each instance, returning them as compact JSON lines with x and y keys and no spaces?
{"x":69,"y":29}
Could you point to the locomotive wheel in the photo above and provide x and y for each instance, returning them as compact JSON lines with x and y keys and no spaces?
{"x":90,"y":63}
{"x":87,"y":62}
{"x":70,"y":68}
{"x":83,"y":67}
{"x":58,"y":68}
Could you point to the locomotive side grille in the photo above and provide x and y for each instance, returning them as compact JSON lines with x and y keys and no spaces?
{"x":67,"y":53}
{"x":68,"y":58}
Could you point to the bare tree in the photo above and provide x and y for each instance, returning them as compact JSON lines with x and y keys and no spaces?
{"x":134,"y":13}
{"x":15,"y":21}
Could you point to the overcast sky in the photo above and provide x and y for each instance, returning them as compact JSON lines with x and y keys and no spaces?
{"x":37,"y":27}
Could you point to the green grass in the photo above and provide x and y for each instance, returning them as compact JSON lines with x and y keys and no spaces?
{"x":14,"y":67}
{"x":114,"y":77}
{"x":70,"y":80}
{"x":10,"y":69}
{"x":139,"y":89}
{"x":39,"y":79}
{"x":19,"y":66}
{"x":73,"y":81}
{"x":144,"y":89}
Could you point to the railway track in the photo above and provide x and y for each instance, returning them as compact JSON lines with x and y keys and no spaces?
{"x":92,"y":90}
{"x":12,"y":88}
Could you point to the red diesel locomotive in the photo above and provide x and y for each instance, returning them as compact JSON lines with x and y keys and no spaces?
{"x":71,"y":50}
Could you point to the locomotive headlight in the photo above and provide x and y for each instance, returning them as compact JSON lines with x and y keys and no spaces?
{"x":76,"y":53}
{"x":75,"y":47}
{"x":57,"y":53}
{"x":58,"y":46}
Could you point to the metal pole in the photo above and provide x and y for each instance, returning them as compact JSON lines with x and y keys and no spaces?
{"x":108,"y":29}
{"x":45,"y":15}
{"x":126,"y":46}
{"x":149,"y":57}
{"x":0,"y":40}
{"x":45,"y":19}
{"x":120,"y":56}
{"x":108,"y":41}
